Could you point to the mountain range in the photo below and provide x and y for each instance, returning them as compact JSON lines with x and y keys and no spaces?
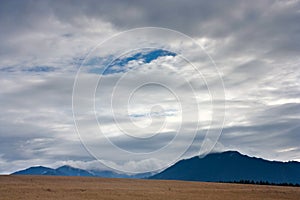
{"x":67,"y":170}
{"x":229,"y":166}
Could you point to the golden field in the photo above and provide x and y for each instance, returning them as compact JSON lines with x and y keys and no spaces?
{"x":74,"y":188}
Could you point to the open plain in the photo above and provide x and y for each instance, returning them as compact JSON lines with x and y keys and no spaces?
{"x":62,"y":188}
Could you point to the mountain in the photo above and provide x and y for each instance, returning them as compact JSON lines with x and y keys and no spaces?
{"x":39,"y":170}
{"x":110,"y":174}
{"x":67,"y":170}
{"x":231,"y":166}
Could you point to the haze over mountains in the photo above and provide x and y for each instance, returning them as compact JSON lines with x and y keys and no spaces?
{"x":215,"y":167}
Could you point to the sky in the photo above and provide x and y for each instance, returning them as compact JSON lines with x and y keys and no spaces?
{"x":134,"y":86}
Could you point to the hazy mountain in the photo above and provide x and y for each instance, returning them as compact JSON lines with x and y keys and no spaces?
{"x":232,"y":166}
{"x":39,"y":170}
{"x":67,"y":170}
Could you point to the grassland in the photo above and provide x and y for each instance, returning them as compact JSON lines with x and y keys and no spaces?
{"x":61,"y":188}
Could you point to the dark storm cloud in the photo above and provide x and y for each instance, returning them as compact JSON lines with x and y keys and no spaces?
{"x":269,"y":28}
{"x":254,"y":20}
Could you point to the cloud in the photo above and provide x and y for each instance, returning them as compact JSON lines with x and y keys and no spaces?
{"x":254,"y":45}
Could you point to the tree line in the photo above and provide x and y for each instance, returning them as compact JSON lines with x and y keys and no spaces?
{"x":262,"y":183}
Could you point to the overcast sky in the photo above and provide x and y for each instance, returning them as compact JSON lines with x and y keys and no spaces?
{"x":148,"y":88}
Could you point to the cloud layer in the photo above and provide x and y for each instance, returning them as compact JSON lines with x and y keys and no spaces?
{"x":255,"y":46}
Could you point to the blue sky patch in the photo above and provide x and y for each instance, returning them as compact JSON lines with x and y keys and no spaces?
{"x":7,"y":69}
{"x":117,"y":66}
{"x":39,"y":69}
{"x":147,"y":57}
{"x":28,"y":69}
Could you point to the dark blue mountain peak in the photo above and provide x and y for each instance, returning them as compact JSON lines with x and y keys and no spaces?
{"x":231,"y":153}
{"x":232,"y":166}
{"x":226,"y":154}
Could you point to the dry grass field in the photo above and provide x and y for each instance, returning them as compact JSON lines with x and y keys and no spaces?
{"x":73,"y":188}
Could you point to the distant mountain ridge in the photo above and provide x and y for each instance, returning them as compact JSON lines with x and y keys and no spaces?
{"x":232,"y":166}
{"x":39,"y":170}
{"x":67,"y":170}
{"x":229,"y":166}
